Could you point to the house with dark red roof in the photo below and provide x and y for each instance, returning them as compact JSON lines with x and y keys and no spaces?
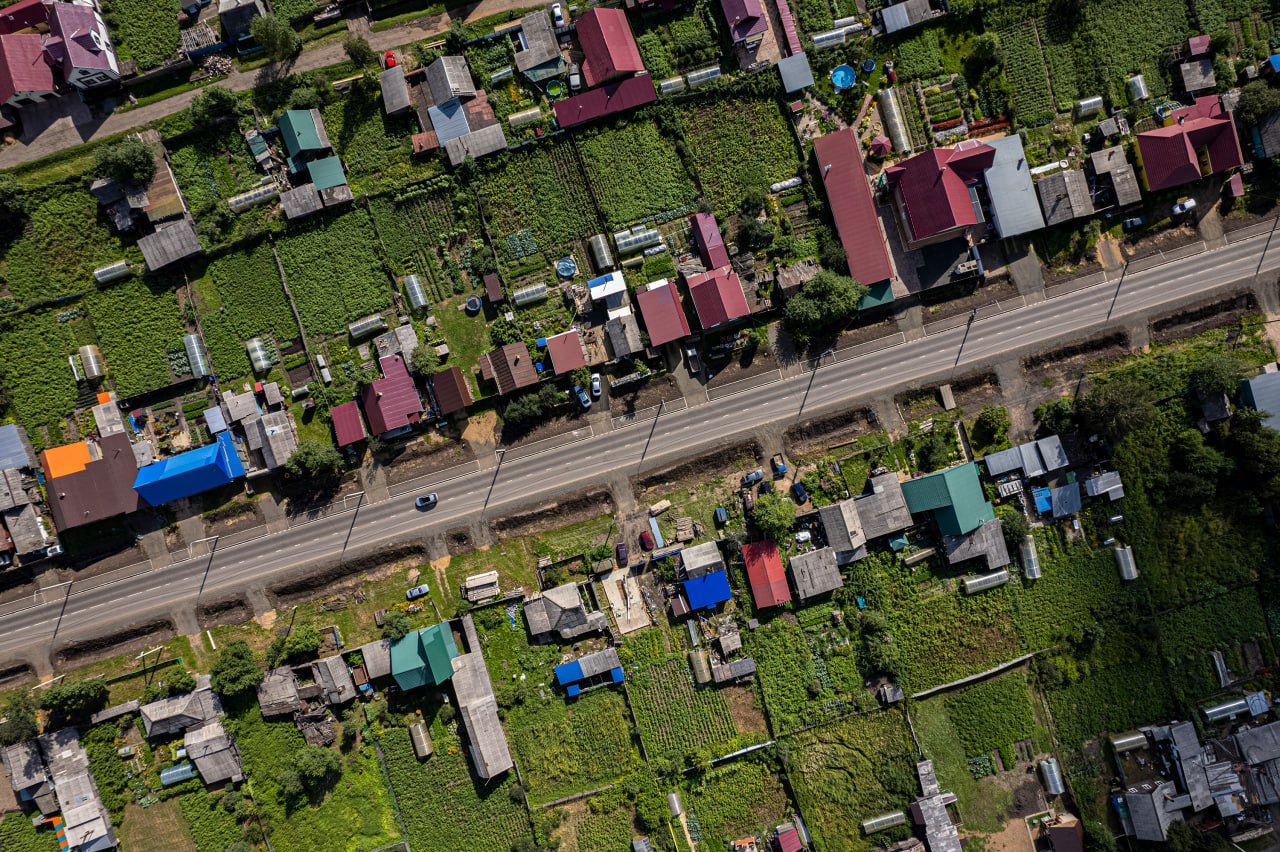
{"x":392,"y":403}
{"x":936,"y":192}
{"x":80,"y":43}
{"x":745,"y":18}
{"x":849,"y":195}
{"x":451,"y":390}
{"x":509,"y":367}
{"x":628,"y":94}
{"x":717,"y":296}
{"x":348,"y":425}
{"x":765,"y":573}
{"x":706,"y":236}
{"x":91,"y":481}
{"x":25,"y":74}
{"x":1199,"y":141}
{"x":609,"y":49}
{"x":565,"y":351}
{"x":663,"y":314}
{"x":23,"y":16}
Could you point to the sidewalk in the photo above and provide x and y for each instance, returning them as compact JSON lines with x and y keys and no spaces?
{"x":76,"y":127}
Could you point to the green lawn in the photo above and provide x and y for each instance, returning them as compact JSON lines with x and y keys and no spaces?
{"x":467,"y":336}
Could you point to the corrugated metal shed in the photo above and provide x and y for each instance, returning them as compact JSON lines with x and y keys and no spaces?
{"x":1014,"y":207}
{"x":395,"y":92}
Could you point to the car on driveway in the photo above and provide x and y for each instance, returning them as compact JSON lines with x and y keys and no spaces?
{"x":427,"y":501}
{"x":620,"y":554}
{"x":582,"y":396}
{"x":752,"y":478}
{"x":1135,"y":223}
{"x":557,"y":15}
{"x":1184,"y":206}
{"x":646,"y":540}
{"x":595,"y":384}
{"x":800,"y":493}
{"x":575,"y":77}
{"x":695,"y":363}
{"x":417,"y":592}
{"x":389,"y":59}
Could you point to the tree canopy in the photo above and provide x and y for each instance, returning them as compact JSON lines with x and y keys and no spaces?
{"x":774,"y":515}
{"x":314,"y":460}
{"x":212,"y":104}
{"x":424,"y":361}
{"x":75,"y":699}
{"x":19,"y":719}
{"x":824,"y":302}
{"x":358,"y":50}
{"x":129,"y":160}
{"x":236,"y":671}
{"x":1217,"y":372}
{"x":1117,"y":408}
{"x":1257,"y":100}
{"x":276,"y":37}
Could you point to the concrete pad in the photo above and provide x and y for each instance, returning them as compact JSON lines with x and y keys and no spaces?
{"x":623,"y":592}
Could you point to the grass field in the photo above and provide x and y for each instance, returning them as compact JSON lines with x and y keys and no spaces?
{"x":849,"y":770}
{"x":635,"y":173}
{"x":732,"y":801}
{"x":334,"y":272}
{"x":983,"y":802}
{"x":159,"y":828}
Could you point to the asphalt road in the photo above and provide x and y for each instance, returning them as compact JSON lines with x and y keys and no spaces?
{"x":89,"y":610}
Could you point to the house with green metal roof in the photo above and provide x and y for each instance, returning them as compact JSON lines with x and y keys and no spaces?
{"x":954,"y":496}
{"x":327,"y":173}
{"x":878,"y":295}
{"x":424,"y":657}
{"x":304,"y":138}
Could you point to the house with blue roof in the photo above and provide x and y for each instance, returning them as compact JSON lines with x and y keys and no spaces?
{"x":1262,"y":393}
{"x":708,"y":590}
{"x":190,"y":473}
{"x":599,"y":668}
{"x":954,"y":496}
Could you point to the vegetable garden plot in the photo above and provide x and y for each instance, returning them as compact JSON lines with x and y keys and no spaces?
{"x":566,"y":747}
{"x":374,"y":147}
{"x":33,"y":369}
{"x":536,"y":196}
{"x":333,"y":271}
{"x":145,"y":31}
{"x":428,"y":227}
{"x":1111,"y":700}
{"x":992,"y":715}
{"x":675,"y":716}
{"x":1187,"y":636}
{"x":138,"y":323}
{"x":17,"y":834}
{"x":65,"y":239}
{"x":846,"y":771}
{"x":1024,"y":66}
{"x":214,"y":166}
{"x":212,"y":828}
{"x":635,"y":173}
{"x":918,"y":56}
{"x":241,"y":297}
{"x":739,"y":147}
{"x":672,"y":42}
{"x":1121,"y":37}
{"x":443,"y":805}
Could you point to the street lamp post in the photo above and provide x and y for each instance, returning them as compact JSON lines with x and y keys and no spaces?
{"x":645,"y":450}
{"x":813,"y":375}
{"x":502,"y":454}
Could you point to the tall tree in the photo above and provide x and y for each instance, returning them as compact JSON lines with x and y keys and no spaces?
{"x":129,"y":160}
{"x":774,"y":515}
{"x":358,"y":50}
{"x":276,"y":37}
{"x":824,"y":302}
{"x":236,"y":670}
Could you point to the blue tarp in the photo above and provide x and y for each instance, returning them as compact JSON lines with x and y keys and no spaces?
{"x":1274,"y":62}
{"x":568,"y":673}
{"x":617,"y":675}
{"x":1043,"y":504}
{"x":573,"y":691}
{"x":657,"y":534}
{"x":708,"y":590}
{"x":192,"y":472}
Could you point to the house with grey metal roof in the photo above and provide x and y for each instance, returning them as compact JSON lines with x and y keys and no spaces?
{"x":1064,"y":195}
{"x":86,"y":823}
{"x":475,"y":144}
{"x":478,"y":708}
{"x":702,"y":559}
{"x":560,"y":610}
{"x":843,"y":528}
{"x":214,"y":753}
{"x":538,"y":56}
{"x":815,"y":573}
{"x":1014,"y":207}
{"x":986,"y":543}
{"x":278,"y":693}
{"x":16,"y":451}
{"x":377,"y":658}
{"x":1065,"y":500}
{"x":450,"y":77}
{"x":334,"y":677}
{"x":395,"y":91}
{"x":1106,"y":484}
{"x":169,"y":244}
{"x":930,"y":811}
{"x":175,"y":714}
{"x":907,"y":14}
{"x":1034,"y":458}
{"x":1110,"y":164}
{"x":883,"y":509}
{"x":25,"y":768}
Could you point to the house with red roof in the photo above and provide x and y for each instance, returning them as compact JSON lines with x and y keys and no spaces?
{"x":936,"y":193}
{"x":849,"y":195}
{"x":707,"y":239}
{"x":765,"y":573}
{"x":80,"y":43}
{"x":609,"y":49}
{"x":622,"y":96}
{"x":1200,"y":140}
{"x":565,"y":351}
{"x":451,"y":390}
{"x":745,"y":18}
{"x":25,"y":74}
{"x":663,"y":314}
{"x":392,"y":403}
{"x":717,"y":296}
{"x":23,"y":16}
{"x":348,"y":425}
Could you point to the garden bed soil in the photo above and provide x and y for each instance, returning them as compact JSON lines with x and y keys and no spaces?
{"x":227,"y":611}
{"x":743,"y":707}
{"x":645,"y":395}
{"x":431,"y":454}
{"x":1054,"y":366}
{"x":550,"y":427}
{"x":964,"y":300}
{"x":131,"y":638}
{"x":865,"y":333}
{"x":553,"y":515}
{"x":824,"y":432}
{"x":738,"y":367}
{"x":1196,"y":319}
{"x":1165,"y":239}
{"x":971,"y":392}
{"x":698,"y":468}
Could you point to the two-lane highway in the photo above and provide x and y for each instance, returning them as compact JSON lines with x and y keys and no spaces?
{"x":96,"y":610}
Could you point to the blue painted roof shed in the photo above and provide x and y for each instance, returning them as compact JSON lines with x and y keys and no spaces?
{"x":189,"y":473}
{"x":707,"y":591}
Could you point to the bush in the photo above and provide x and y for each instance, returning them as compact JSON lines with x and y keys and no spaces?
{"x":276,"y":37}
{"x":313,"y":460}
{"x":211,"y":105}
{"x":317,"y":767}
{"x":529,"y":406}
{"x":824,"y":302}
{"x":991,"y":427}
{"x":396,"y":625}
{"x":75,"y":700}
{"x":1057,"y":415}
{"x":18,"y":719}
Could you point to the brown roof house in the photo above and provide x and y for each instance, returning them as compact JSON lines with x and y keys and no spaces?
{"x":509,"y":367}
{"x":561,"y":611}
{"x":90,"y":481}
{"x":451,"y":391}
